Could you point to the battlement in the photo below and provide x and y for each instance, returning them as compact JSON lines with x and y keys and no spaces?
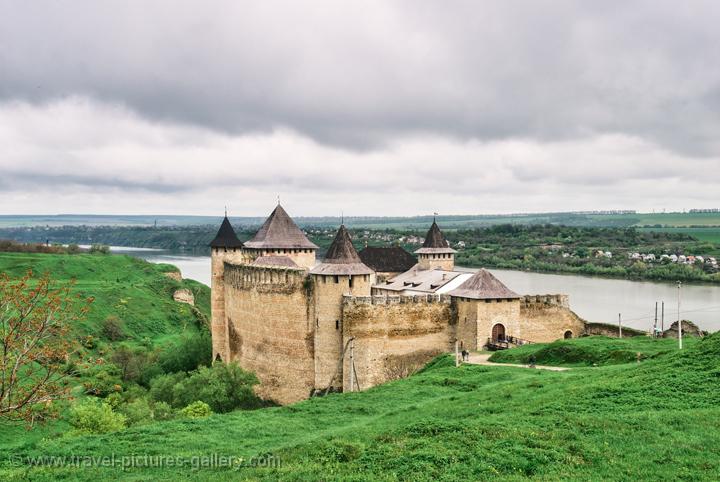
{"x":244,"y":276}
{"x":560,"y":300}
{"x":394,"y":300}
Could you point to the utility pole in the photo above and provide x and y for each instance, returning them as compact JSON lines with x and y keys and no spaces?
{"x":457,"y":360}
{"x":620,"y":324}
{"x":662,"y":319}
{"x":655,"y":325}
{"x":352,"y":365}
{"x":679,"y":320}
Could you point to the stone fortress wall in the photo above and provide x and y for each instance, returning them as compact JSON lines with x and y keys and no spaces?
{"x":394,"y":331}
{"x":328,"y":293}
{"x":290,"y":328}
{"x":548,"y":318}
{"x":267,"y":311}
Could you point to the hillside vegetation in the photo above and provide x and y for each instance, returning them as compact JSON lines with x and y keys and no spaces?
{"x":133,"y":290}
{"x":591,"y":351}
{"x":133,"y":336}
{"x":654,"y":420}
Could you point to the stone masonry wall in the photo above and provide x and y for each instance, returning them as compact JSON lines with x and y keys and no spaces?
{"x":328,"y":297}
{"x":432,"y":261}
{"x":218,"y":326}
{"x":304,"y":258}
{"x":270,"y":332}
{"x":476,"y":319}
{"x":390,"y":330}
{"x":547,"y":318}
{"x":492,"y":312}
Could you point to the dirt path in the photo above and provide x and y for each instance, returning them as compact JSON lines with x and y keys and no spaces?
{"x":482,"y":359}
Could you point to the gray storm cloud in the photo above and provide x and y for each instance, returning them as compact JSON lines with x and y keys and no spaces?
{"x":396,"y":107}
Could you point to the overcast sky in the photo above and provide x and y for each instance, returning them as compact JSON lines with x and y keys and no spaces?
{"x":371,"y":107}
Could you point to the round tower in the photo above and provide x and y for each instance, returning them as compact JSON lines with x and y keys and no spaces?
{"x":342,"y":272}
{"x":226,"y":247}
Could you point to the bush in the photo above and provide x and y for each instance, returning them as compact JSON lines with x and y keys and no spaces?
{"x":88,"y":342}
{"x":223,"y":387}
{"x":196,"y":410}
{"x":102,"y":380}
{"x":113,"y":328}
{"x":162,"y":387}
{"x":93,"y":417}
{"x":163,"y":411}
{"x":190,"y":353}
{"x":99,"y":249}
{"x":137,"y":412}
{"x":136,"y":365}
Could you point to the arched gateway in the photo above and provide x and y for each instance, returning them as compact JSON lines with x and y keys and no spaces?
{"x":498,"y":331}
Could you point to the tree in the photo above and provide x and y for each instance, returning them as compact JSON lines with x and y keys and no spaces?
{"x":35,"y":317}
{"x":113,"y":328}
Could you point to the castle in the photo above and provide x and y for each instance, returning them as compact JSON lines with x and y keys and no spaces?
{"x":355,"y":320}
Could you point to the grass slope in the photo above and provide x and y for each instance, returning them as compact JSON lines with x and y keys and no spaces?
{"x":589,"y":351}
{"x":134,"y":290}
{"x":656,"y":420}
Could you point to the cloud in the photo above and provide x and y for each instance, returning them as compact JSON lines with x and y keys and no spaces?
{"x":80,"y":155}
{"x":361,"y":74}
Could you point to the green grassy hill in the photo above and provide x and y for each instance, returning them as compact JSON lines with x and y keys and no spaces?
{"x":590,"y":351}
{"x":131,"y":289}
{"x":654,"y":420}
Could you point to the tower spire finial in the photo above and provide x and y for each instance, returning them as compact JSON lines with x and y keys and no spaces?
{"x":434,"y":216}
{"x":342,"y":217}
{"x":226,"y":210}
{"x":278,"y":199}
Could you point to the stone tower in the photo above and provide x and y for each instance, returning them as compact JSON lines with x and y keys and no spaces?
{"x":342,"y":272}
{"x":436,"y":251}
{"x":486,"y":309}
{"x":280,"y":236}
{"x":225,"y":247}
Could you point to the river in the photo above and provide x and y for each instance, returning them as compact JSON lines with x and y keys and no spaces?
{"x":594,"y":299}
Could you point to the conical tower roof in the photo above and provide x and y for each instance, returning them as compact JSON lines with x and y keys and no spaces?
{"x":280,"y":232}
{"x":341,"y":258}
{"x":483,"y":286}
{"x":226,"y":237}
{"x":435,"y":242}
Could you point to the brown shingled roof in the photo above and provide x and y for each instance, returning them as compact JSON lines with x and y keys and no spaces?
{"x":392,"y":259}
{"x":435,"y":242}
{"x":276,"y":261}
{"x":226,"y":237}
{"x":483,"y":286}
{"x":341,"y":257}
{"x":280,"y":232}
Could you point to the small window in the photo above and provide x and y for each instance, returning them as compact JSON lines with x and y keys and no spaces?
{"x":317,"y":322}
{"x":351,"y":281}
{"x":337,"y":279}
{"x":337,"y":324}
